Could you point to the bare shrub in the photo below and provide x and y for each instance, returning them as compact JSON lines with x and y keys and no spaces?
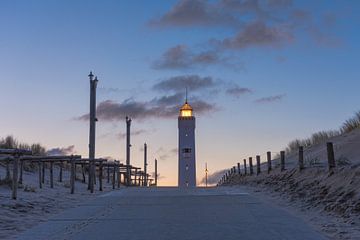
{"x":351,"y":124}
{"x":316,"y":138}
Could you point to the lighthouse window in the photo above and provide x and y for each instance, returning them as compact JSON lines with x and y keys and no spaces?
{"x":186,"y":134}
{"x":186,"y":150}
{"x":187,"y":167}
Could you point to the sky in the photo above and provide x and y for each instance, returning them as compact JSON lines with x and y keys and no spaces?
{"x":259,"y":73}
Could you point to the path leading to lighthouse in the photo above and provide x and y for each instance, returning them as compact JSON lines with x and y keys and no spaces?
{"x":172,"y":213}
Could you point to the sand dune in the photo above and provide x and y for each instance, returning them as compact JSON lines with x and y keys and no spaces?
{"x":331,"y":201}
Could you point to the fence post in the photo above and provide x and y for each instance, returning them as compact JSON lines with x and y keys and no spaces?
{"x":238,"y":165}
{"x":108,"y":173}
{"x":331,"y":155}
{"x":118,"y":174}
{"x":301,"y":158}
{"x":83,"y":172}
{"x":251,"y":166}
{"x":268,"y":161}
{"x":245,"y":170}
{"x":8,"y":169}
{"x":40,"y":180}
{"x":43,"y":172}
{"x":258,"y":169}
{"x":282,"y":160}
{"x":51,"y":174}
{"x":114,"y":171}
{"x":91,"y":175}
{"x":15,"y":176}
{"x":72,"y":175}
{"x":100,"y":176}
{"x":21,"y":171}
{"x":61,"y":171}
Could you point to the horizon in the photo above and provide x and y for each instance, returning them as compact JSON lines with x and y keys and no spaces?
{"x":256,"y":79}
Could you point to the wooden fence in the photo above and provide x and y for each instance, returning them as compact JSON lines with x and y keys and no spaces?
{"x":17,"y":158}
{"x":225,"y":179}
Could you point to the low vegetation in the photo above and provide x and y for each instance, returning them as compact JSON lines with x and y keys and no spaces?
{"x":323,"y":136}
{"x":9,"y":142}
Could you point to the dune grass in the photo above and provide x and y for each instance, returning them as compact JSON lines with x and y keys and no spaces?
{"x":351,"y":124}
{"x":323,"y":136}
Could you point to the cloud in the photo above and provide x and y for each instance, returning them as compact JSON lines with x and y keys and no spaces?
{"x":258,"y":34}
{"x":181,"y":57}
{"x":271,"y":23}
{"x":238,"y":91}
{"x":156,"y":108}
{"x":270,"y":99}
{"x":174,"y":99}
{"x":213,"y":178}
{"x":195,"y":13}
{"x":61,"y":151}
{"x":179,"y":83}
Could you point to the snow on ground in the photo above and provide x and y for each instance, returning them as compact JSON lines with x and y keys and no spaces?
{"x":330,"y":201}
{"x":36,"y":205}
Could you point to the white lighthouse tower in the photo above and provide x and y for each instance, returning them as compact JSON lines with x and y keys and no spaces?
{"x":187,"y":170}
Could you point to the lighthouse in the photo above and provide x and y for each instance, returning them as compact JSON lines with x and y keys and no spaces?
{"x":187,"y":169}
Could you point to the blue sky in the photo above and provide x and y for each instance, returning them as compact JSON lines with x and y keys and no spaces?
{"x":293,"y":70}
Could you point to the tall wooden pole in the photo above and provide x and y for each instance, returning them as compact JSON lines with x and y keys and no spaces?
{"x":206,"y":175}
{"x":156,"y":172}
{"x":145,"y":165}
{"x":128,"y":145}
{"x":92,"y":118}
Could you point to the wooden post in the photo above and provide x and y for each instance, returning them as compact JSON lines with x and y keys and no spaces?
{"x":156,"y":172}
{"x":118,"y":175}
{"x":51,"y":174}
{"x":245,"y":169}
{"x":238,"y":165}
{"x":40,"y":180}
{"x":15,"y":176}
{"x":114,"y":171}
{"x":108,"y":173}
{"x":43,"y":172}
{"x":94,"y":172}
{"x":258,"y":166}
{"x":268,"y":161}
{"x":91,"y":175}
{"x":251,"y":166}
{"x":83,"y":172}
{"x":8,"y":170}
{"x":100,"y":176}
{"x":21,"y":171}
{"x":301,"y":158}
{"x":72,"y":175}
{"x":282,"y":161}
{"x":331,"y":155}
{"x":61,"y":171}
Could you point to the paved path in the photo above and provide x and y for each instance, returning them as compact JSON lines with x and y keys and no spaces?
{"x":171,"y":213}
